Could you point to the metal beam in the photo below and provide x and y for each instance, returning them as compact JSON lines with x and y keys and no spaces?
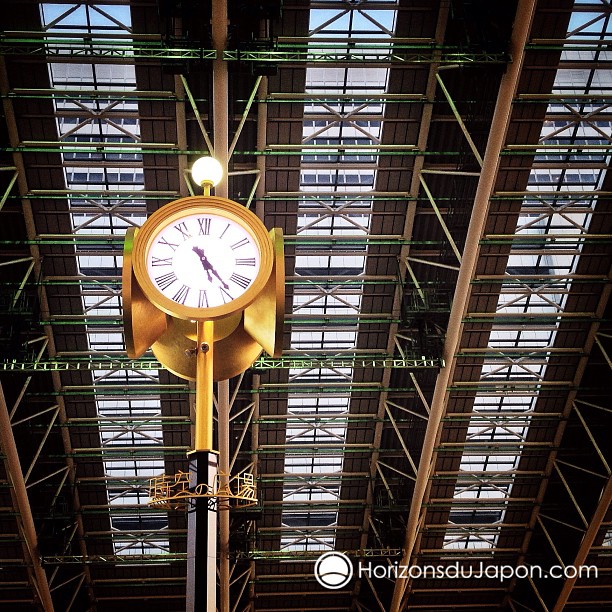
{"x":22,"y":506}
{"x":263,"y":363}
{"x":398,"y":296}
{"x":36,"y":257}
{"x":499,"y":127}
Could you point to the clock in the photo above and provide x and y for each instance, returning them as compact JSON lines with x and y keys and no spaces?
{"x":202,"y":258}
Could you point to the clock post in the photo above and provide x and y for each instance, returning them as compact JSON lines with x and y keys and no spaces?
{"x":203,"y":287}
{"x":204,"y":385}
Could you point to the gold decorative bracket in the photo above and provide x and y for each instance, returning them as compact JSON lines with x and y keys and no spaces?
{"x":173,"y":492}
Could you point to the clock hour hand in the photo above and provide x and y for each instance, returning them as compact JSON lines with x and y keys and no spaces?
{"x":208,"y":267}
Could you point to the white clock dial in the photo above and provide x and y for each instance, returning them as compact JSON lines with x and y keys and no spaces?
{"x":203,"y":260}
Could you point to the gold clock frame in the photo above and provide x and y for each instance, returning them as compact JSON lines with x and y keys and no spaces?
{"x":143,"y":322}
{"x":194,"y":205}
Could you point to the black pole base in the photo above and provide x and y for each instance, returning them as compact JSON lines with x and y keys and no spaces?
{"x":202,"y":535}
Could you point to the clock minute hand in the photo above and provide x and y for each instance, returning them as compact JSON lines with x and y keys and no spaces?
{"x":208,"y":267}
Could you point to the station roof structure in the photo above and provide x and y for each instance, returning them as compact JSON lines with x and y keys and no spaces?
{"x":439,"y":170}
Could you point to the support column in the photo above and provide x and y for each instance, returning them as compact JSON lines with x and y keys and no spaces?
{"x":585,"y":546}
{"x":202,"y":535}
{"x":220,"y":113}
{"x":491,"y":161}
{"x":223,"y":409}
{"x":22,"y":505}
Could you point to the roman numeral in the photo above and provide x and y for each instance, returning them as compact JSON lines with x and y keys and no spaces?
{"x":240,"y":243}
{"x":164,"y":240}
{"x":182,"y":228}
{"x":242,"y":281}
{"x":204,"y":223}
{"x":165,"y":280}
{"x":181,"y":295}
{"x":226,"y":294}
{"x":159,"y":261}
{"x":248,"y":261}
{"x":202,"y":299}
{"x":225,"y":230}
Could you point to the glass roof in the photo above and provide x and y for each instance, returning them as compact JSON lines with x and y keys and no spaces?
{"x":559,"y":204}
{"x":319,"y":422}
{"x":124,"y":423}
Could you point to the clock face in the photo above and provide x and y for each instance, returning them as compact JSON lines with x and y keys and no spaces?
{"x":202,"y":260}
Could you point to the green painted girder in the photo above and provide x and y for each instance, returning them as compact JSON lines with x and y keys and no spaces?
{"x":328,"y":98}
{"x":547,"y":241}
{"x":363,"y":53}
{"x":325,"y":320}
{"x":364,"y":197}
{"x":310,"y":555}
{"x":320,"y":479}
{"x":316,"y":52}
{"x":100,"y":48}
{"x":99,"y":94}
{"x":421,"y":362}
{"x":111,"y":194}
{"x":98,"y":195}
{"x":560,"y":150}
{"x":305,"y":420}
{"x":533,"y":198}
{"x":503,"y":419}
{"x":519,"y":388}
{"x":138,"y":390}
{"x":117,"y":240}
{"x":92,"y":282}
{"x":496,"y":447}
{"x":321,"y":451}
{"x":126,"y":391}
{"x":128,"y":453}
{"x":316,"y":420}
{"x":525,"y":353}
{"x":116,"y":559}
{"x":532,"y":318}
{"x":597,"y":42}
{"x":103,"y":148}
{"x":263,"y":363}
{"x":363,"y":98}
{"x":182,"y":557}
{"x":536,"y":280}
{"x":142,"y":424}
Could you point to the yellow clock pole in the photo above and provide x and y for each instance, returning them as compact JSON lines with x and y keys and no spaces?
{"x":204,"y":386}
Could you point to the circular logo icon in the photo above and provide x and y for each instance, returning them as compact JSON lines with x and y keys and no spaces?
{"x":333,"y":570}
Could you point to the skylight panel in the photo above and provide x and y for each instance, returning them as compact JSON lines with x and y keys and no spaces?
{"x":335,"y":127}
{"x":107,"y":122}
{"x":541,"y":297}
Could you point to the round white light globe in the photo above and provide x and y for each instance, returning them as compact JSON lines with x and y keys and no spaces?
{"x":207,"y":170}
